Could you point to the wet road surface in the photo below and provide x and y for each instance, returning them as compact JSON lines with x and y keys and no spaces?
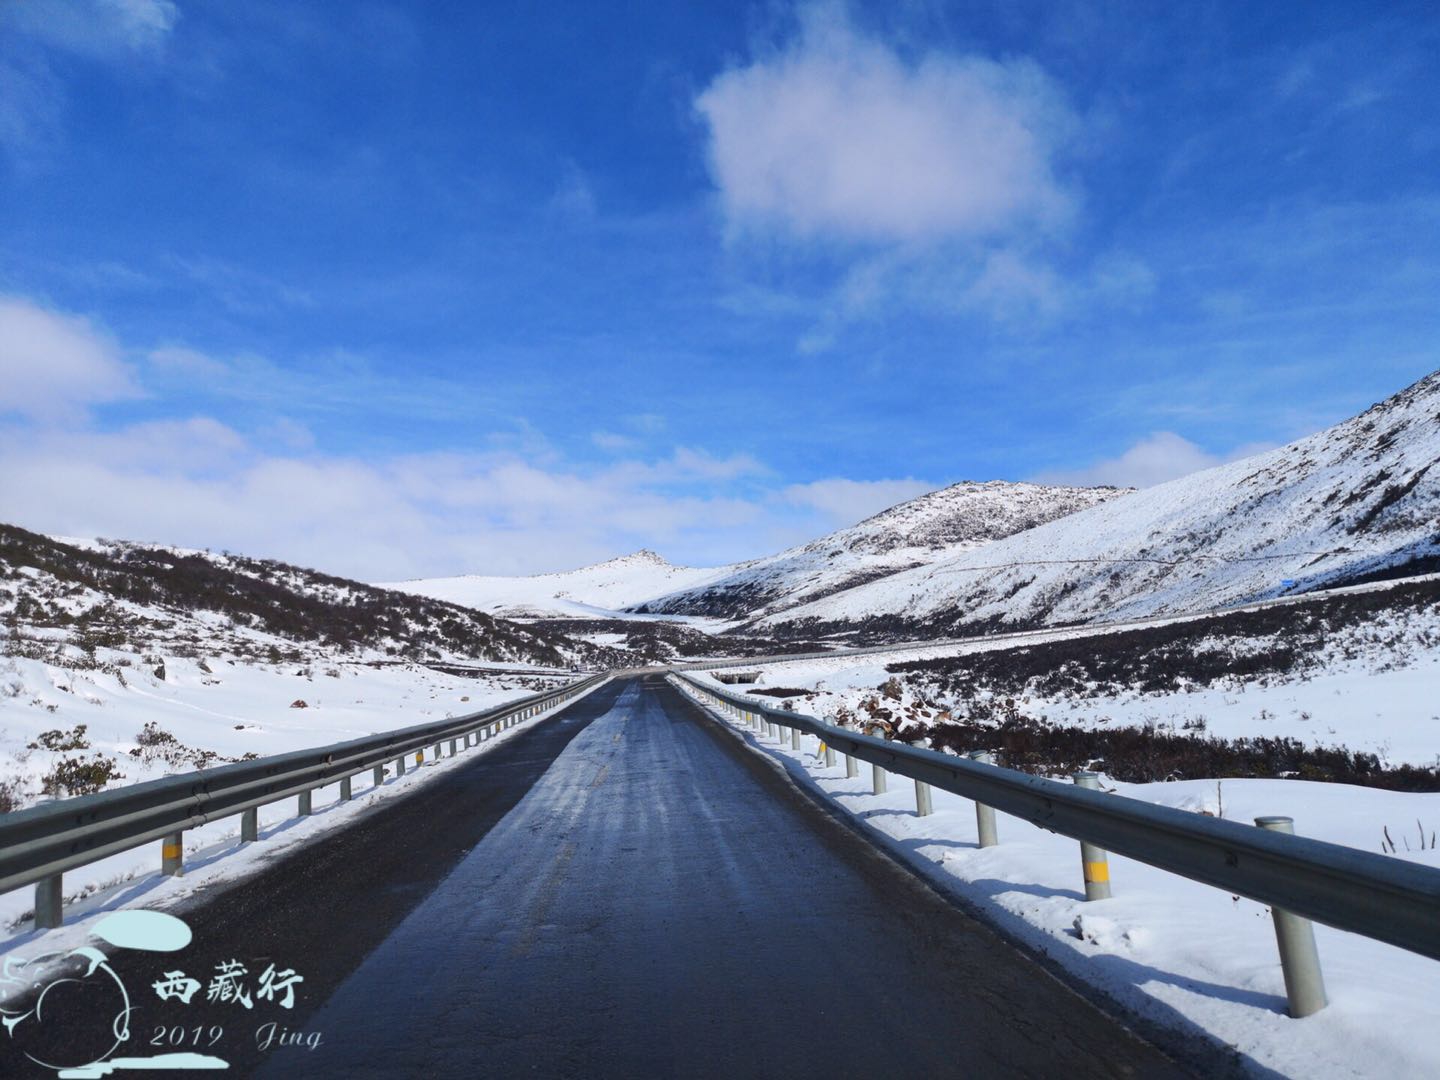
{"x":661,"y":903}
{"x":319,"y":910}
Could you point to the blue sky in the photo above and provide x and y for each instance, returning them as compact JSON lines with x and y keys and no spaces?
{"x":401,"y":289}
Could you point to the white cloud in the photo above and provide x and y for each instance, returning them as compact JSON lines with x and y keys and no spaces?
{"x":837,"y":135}
{"x":518,"y":506}
{"x":1160,"y":456}
{"x":197,"y":482}
{"x":845,"y":502}
{"x":54,"y":366}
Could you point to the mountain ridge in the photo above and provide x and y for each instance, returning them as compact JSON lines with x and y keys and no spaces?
{"x":1356,"y":498}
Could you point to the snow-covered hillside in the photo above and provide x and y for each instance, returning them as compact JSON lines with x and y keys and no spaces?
{"x":1349,"y":501}
{"x":915,"y":533}
{"x":106,"y":593}
{"x":122,"y":662}
{"x":599,"y":591}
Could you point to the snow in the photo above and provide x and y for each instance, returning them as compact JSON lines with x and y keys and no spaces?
{"x":1178,"y":953}
{"x":941,"y":523}
{"x":1353,"y":498}
{"x":1372,"y":688}
{"x":644,"y":585}
{"x":234,"y":709}
{"x":591,"y":592}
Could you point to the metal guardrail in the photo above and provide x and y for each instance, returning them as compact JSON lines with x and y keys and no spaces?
{"x":38,"y":845}
{"x":1377,"y":896}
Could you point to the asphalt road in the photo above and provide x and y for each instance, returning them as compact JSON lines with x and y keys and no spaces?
{"x":318,"y":911}
{"x":662,"y":903}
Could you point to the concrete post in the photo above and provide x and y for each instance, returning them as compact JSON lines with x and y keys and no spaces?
{"x":453,"y":751}
{"x":346,"y":790}
{"x":985,"y":815}
{"x":922,"y":799}
{"x":1299,"y":960}
{"x":172,"y":854}
{"x":49,"y":902}
{"x":379,"y":775}
{"x":877,"y":779}
{"x":1094,"y":861}
{"x":250,"y":825}
{"x":306,"y":804}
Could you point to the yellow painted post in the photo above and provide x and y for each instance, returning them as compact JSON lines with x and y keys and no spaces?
{"x":172,"y":855}
{"x":1094,"y":861}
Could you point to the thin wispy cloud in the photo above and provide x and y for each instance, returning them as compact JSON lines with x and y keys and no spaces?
{"x":34,"y":33}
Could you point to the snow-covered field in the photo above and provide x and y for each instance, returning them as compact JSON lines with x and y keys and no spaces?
{"x":1370,"y":686}
{"x":1182,"y":955}
{"x":233,"y":709}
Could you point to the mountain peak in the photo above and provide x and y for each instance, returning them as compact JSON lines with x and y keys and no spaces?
{"x":644,"y":557}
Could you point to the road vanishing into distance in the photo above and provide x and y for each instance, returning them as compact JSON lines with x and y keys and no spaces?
{"x":624,"y":889}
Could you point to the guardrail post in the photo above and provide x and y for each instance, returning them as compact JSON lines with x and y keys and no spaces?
{"x":250,"y":825}
{"x":306,"y":804}
{"x":172,"y":855}
{"x":1299,"y":960}
{"x":829,"y":752}
{"x":438,"y":754}
{"x":877,"y":779}
{"x":453,"y":744}
{"x":985,"y":815}
{"x":49,"y":902}
{"x":400,"y":765}
{"x":1094,"y":861}
{"x":922,"y":799}
{"x":346,"y":790}
{"x":794,"y":738}
{"x":852,"y":767}
{"x":379,"y":775}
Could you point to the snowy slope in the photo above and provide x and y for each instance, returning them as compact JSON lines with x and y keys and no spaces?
{"x":159,"y":598}
{"x":122,"y":662}
{"x":596,"y":591}
{"x":1351,"y":500}
{"x":936,"y":525}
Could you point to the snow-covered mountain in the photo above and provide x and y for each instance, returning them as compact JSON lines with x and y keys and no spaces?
{"x":1354,"y":500}
{"x":915,"y":533}
{"x":591,"y":591}
{"x":83,"y":594}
